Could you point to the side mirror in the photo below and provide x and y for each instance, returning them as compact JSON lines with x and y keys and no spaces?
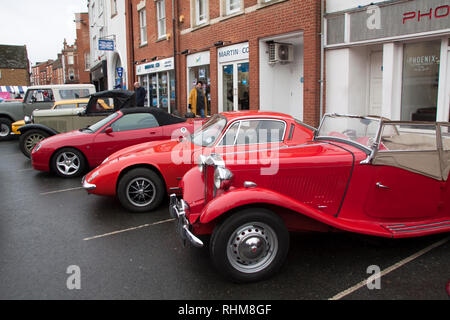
{"x":108,"y":130}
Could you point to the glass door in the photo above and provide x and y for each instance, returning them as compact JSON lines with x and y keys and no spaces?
{"x":234,"y":87}
{"x":163,"y":91}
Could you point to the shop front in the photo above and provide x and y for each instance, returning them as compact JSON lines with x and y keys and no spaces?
{"x":158,"y":79}
{"x":397,"y":67}
{"x":198,"y":69}
{"x":233,"y":77}
{"x":99,"y":76}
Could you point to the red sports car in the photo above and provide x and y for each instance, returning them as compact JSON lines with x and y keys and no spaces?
{"x":360,"y":174}
{"x":141,"y":175}
{"x":72,"y":153}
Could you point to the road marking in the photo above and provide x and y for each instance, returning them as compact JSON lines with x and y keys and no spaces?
{"x":129,"y":229}
{"x":389,"y":270}
{"x":62,"y":190}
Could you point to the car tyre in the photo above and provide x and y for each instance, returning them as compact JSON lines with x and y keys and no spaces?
{"x":140,"y":190}
{"x":68,"y":163}
{"x":30,"y":139}
{"x":5,"y":129}
{"x":250,"y":245}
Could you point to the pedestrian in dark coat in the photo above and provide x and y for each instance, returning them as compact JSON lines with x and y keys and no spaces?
{"x":141,"y":93}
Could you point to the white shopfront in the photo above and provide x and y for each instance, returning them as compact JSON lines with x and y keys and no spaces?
{"x":233,"y":81}
{"x":198,"y":69}
{"x":158,"y":79}
{"x":391,"y":60}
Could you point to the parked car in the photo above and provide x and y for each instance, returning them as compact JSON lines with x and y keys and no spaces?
{"x":59,"y":105}
{"x":38,"y":97}
{"x":360,"y":174}
{"x":72,"y":153}
{"x":141,"y":175}
{"x":46,"y":123}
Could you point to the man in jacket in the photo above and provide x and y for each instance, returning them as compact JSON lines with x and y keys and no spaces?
{"x":197,"y":100}
{"x":140,"y":94}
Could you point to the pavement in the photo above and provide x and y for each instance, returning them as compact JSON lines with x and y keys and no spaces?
{"x":51,"y":230}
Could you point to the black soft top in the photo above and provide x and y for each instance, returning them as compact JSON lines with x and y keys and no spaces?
{"x":164,"y":118}
{"x":122,"y":99}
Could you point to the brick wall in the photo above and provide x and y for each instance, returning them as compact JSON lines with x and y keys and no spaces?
{"x":277,"y":19}
{"x":14,"y":77}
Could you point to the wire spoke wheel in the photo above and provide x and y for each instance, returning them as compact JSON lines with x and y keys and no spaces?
{"x":32,"y":140}
{"x":141,"y":192}
{"x":4,"y":130}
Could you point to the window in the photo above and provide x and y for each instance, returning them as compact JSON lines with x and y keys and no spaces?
{"x":200,"y":12}
{"x":143,"y":26}
{"x":420,"y":81}
{"x":135,"y":121}
{"x":41,"y":95}
{"x":161,"y":18}
{"x":254,"y":132}
{"x":113,"y":8}
{"x":232,"y":6}
{"x":69,"y":94}
{"x":87,"y":64}
{"x":70,"y":60}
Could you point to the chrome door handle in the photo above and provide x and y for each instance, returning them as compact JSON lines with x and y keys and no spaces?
{"x":379,"y":185}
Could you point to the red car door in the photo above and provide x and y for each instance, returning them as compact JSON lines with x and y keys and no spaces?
{"x":128,"y":130}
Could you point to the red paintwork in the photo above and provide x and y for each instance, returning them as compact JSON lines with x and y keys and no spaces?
{"x":311,"y":184}
{"x":99,"y":145}
{"x":160,"y":156}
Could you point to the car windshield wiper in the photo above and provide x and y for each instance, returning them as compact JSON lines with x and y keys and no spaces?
{"x":87,"y":128}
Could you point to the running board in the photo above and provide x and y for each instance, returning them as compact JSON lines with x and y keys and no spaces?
{"x":417,"y":229}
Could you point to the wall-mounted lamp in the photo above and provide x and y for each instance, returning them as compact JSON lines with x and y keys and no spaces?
{"x":185,"y":51}
{"x":220,"y":43}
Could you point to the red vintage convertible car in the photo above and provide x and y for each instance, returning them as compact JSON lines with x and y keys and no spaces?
{"x":140,"y":176}
{"x":70,"y":154}
{"x":360,"y":174}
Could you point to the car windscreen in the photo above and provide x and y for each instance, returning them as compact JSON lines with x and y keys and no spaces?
{"x":208,"y":134}
{"x":357,"y":130}
{"x":96,"y":126}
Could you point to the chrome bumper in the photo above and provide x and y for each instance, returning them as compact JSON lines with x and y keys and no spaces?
{"x":86,"y":185}
{"x":178,"y":209}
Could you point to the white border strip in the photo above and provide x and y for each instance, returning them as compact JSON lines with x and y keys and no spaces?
{"x":389,"y":270}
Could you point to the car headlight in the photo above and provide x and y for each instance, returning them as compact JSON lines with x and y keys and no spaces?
{"x":222,"y":178}
{"x":27,"y":119}
{"x":106,"y":160}
{"x":37,"y":147}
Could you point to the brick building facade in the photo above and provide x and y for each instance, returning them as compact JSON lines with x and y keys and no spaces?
{"x":14,"y":66}
{"x":251,"y":54}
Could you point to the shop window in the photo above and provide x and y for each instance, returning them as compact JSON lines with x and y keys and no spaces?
{"x":113,"y":8}
{"x":143,"y":26}
{"x":420,"y":81}
{"x":161,"y":18}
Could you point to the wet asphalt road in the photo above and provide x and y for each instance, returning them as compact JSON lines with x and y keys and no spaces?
{"x":47,"y":225}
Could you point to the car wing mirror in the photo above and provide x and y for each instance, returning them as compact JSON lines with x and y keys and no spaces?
{"x":108,"y":130}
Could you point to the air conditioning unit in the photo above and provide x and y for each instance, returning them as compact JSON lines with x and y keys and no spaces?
{"x":281,"y":52}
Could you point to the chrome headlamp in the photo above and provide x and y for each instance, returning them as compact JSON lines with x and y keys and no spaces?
{"x":27,"y":119}
{"x":222,"y":178}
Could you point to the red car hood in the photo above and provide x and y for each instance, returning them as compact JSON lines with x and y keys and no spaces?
{"x":71,"y":135}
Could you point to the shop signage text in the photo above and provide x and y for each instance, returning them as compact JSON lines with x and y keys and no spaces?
{"x":157,"y":66}
{"x":437,"y":13}
{"x":233,"y":53}
{"x":106,"y":45}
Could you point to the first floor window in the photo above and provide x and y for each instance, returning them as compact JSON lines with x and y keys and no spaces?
{"x":143,"y":26}
{"x":200,"y":12}
{"x":161,"y":18}
{"x":233,"y":6}
{"x":420,"y":81}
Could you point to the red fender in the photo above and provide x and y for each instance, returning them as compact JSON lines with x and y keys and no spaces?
{"x":246,"y":196}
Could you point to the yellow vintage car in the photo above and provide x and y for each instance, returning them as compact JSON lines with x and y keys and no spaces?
{"x":63,"y":104}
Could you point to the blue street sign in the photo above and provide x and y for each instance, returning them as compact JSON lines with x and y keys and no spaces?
{"x":119,"y":72}
{"x":106,"y":45}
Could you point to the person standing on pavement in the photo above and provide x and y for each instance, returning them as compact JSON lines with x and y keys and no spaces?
{"x":197,"y":100}
{"x":140,"y":94}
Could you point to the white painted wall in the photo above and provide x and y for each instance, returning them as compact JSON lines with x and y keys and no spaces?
{"x":337,"y":81}
{"x":281,"y":89}
{"x":341,"y":5}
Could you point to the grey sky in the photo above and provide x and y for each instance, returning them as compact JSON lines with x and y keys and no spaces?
{"x":41,"y":25}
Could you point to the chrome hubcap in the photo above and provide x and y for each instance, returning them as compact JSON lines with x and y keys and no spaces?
{"x":252,"y":247}
{"x":68,"y":163}
{"x":141,"y":192}
{"x":33,"y":140}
